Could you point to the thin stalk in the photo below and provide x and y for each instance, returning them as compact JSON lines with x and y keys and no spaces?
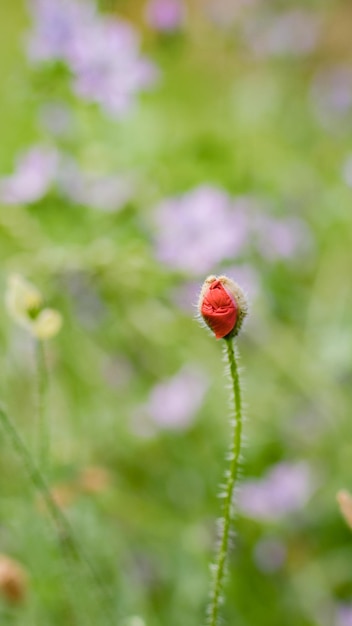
{"x":43,"y":419}
{"x":231,"y":478}
{"x":67,"y":541}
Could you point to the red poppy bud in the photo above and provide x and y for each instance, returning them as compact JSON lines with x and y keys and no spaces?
{"x":222,"y":305}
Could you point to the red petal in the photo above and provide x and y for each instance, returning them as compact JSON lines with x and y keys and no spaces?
{"x":219,"y":310}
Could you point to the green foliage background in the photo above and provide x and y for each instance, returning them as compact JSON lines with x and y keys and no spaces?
{"x":222,"y":116}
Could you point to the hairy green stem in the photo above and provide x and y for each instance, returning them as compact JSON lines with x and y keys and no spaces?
{"x":231,"y":478}
{"x":67,"y":541}
{"x":43,"y":418}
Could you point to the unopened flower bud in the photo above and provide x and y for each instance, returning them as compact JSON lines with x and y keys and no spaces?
{"x":25,"y":305}
{"x":13,"y":580}
{"x":22,"y":298}
{"x":344,"y":500}
{"x":47,"y":324}
{"x":223,"y":306}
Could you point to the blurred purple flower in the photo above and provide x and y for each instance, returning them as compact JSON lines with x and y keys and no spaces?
{"x":165,"y":15}
{"x":199,"y":229}
{"x":103,"y":53}
{"x":35,"y":172}
{"x":41,"y":167}
{"x":344,"y":615}
{"x":280,"y":238}
{"x":295,"y":32}
{"x":56,"y":25}
{"x":269,"y":555}
{"x":173,"y":403}
{"x":331,"y":94}
{"x":285,"y":488}
{"x":108,"y":68}
{"x":105,"y":192}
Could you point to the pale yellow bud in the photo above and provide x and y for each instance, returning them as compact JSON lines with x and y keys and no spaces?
{"x":47,"y":324}
{"x":22,"y":298}
{"x":25,"y":304}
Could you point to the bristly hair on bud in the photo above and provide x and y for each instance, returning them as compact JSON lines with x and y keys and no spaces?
{"x":223,"y":306}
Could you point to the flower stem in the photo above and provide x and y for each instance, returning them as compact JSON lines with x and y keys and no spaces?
{"x":231,"y":478}
{"x":66,"y":539}
{"x":43,"y":423}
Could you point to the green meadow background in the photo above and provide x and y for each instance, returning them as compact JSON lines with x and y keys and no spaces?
{"x":256,"y":125}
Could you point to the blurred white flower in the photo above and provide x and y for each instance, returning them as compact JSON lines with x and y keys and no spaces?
{"x":135,"y":620}
{"x":24,"y":303}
